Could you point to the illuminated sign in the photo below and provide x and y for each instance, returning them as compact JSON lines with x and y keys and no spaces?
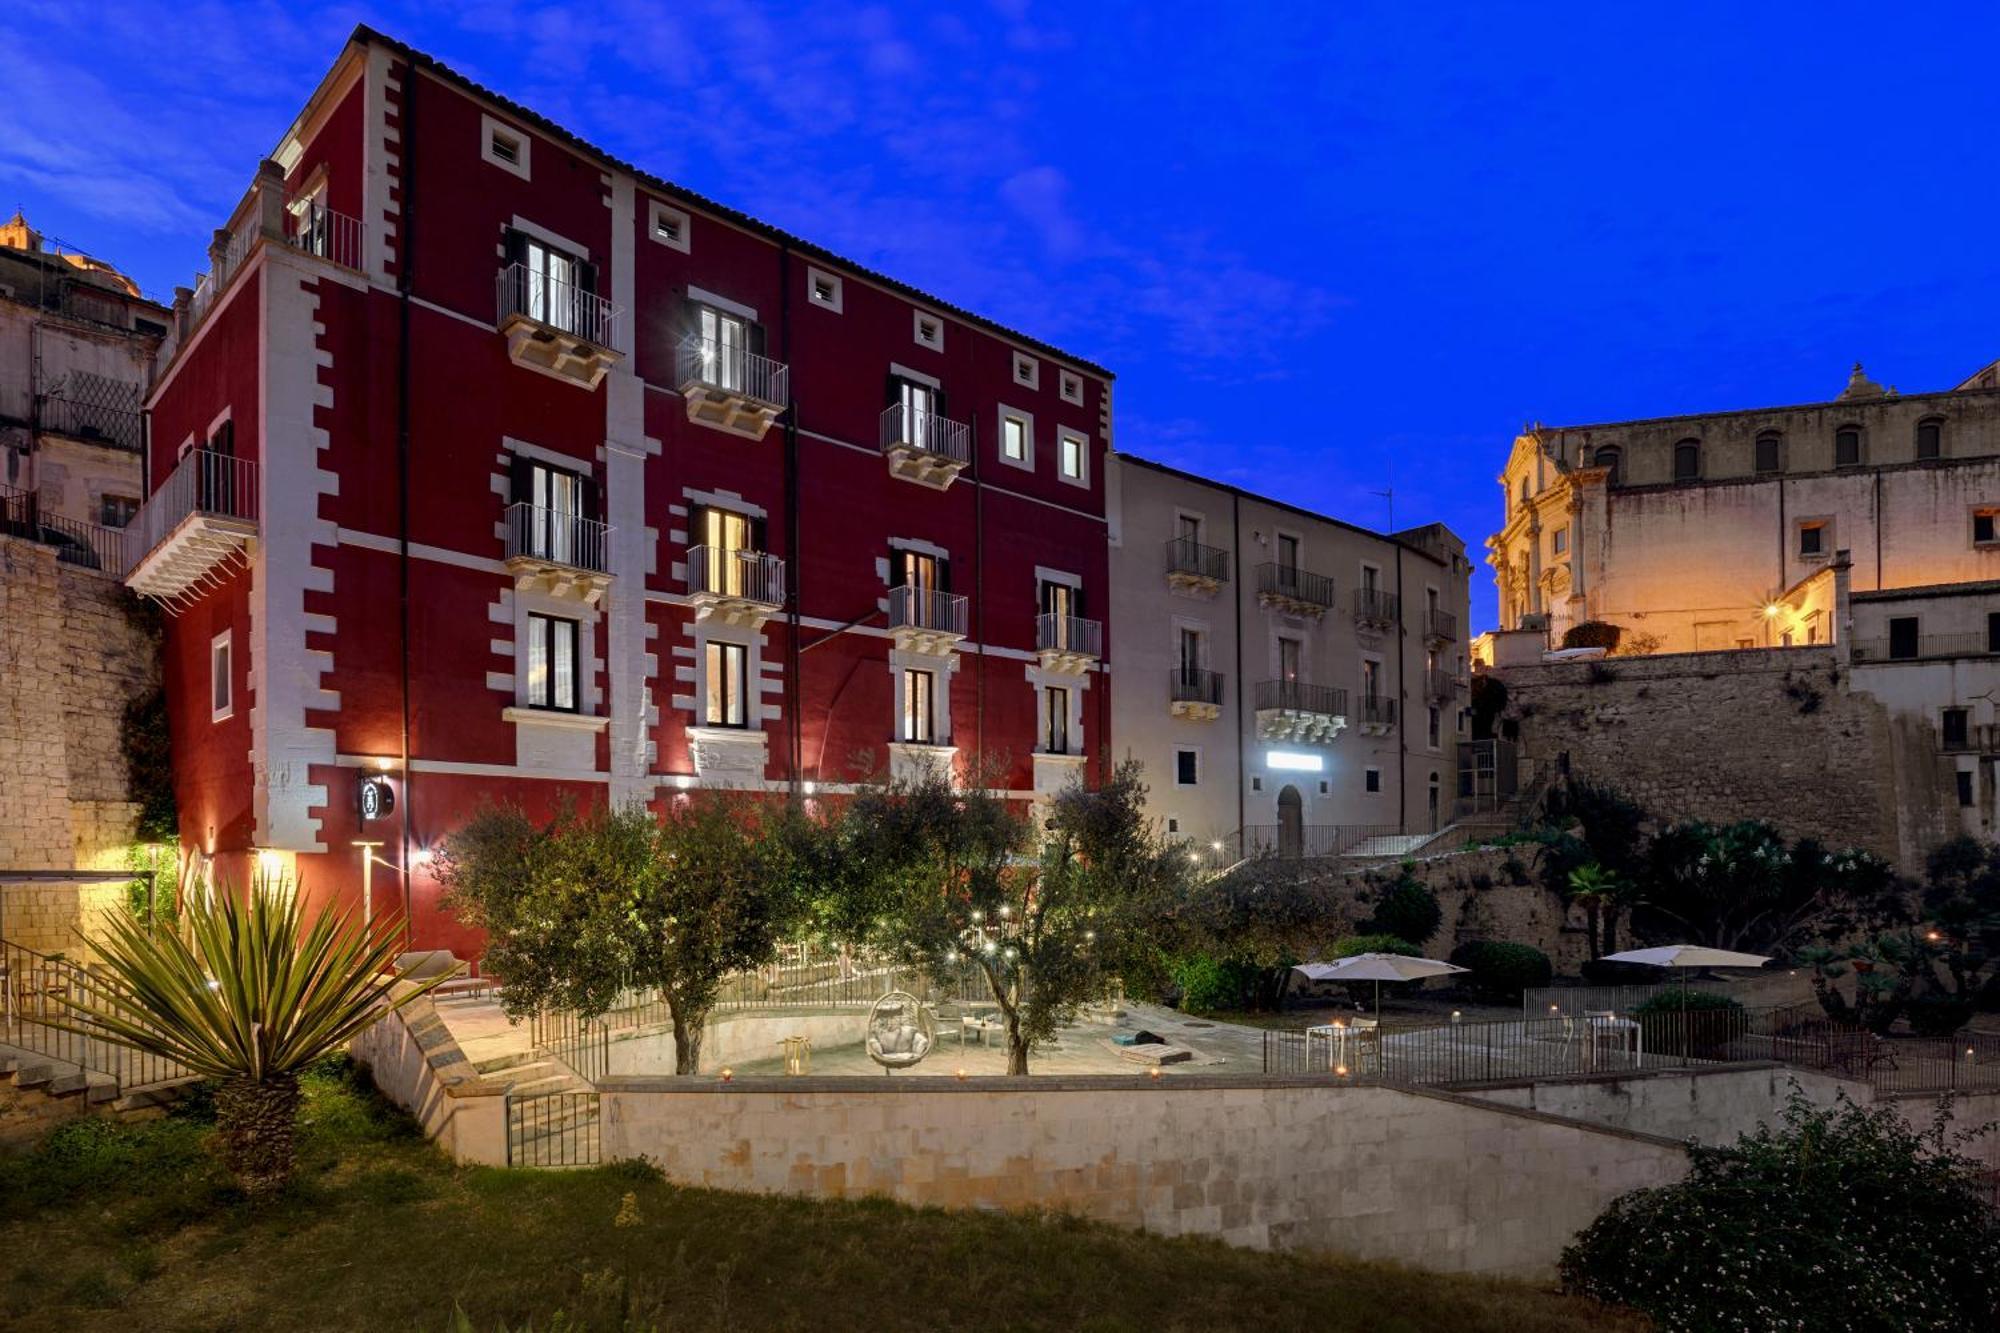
{"x":377,"y":798}
{"x":1295,"y":761}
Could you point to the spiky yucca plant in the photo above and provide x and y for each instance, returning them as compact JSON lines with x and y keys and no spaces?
{"x":249,"y":998}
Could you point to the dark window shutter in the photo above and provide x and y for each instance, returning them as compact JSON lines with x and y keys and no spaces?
{"x":224,"y":439}
{"x":1076,"y":602}
{"x":697,"y":525}
{"x":944,"y":574}
{"x":892,"y":392}
{"x":757,"y":535}
{"x":690,"y":316}
{"x":757,"y":340}
{"x":517,"y":247}
{"x":524,"y":480}
{"x":586,"y":276}
{"x":937,"y":402}
{"x":896,"y":567}
{"x":587,"y":497}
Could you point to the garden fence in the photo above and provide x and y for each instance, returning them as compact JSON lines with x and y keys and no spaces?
{"x":554,"y":1129}
{"x":1575,"y":1001}
{"x":43,"y":995}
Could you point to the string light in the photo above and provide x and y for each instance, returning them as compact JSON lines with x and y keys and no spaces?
{"x":728,"y":1074}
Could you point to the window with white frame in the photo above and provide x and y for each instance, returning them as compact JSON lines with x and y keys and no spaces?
{"x":1073,"y":458}
{"x":667,"y":225}
{"x":1055,"y":737}
{"x":504,"y":146}
{"x":1027,"y":371}
{"x":1070,"y":387}
{"x":726,"y":685}
{"x":1017,"y":439}
{"x":929,"y":331}
{"x":919,"y":698}
{"x":552,"y":663}
{"x":1187,"y":767}
{"x":221,"y":677}
{"x":823,"y":289}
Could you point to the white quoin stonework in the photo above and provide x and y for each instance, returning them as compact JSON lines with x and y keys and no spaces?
{"x":629,"y":542}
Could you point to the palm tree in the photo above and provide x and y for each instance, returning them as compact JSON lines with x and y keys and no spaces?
{"x":252,"y":996}
{"x":1601,"y":893}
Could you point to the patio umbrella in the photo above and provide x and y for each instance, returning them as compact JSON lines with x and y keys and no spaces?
{"x":1378,"y":968}
{"x":1681,"y":957}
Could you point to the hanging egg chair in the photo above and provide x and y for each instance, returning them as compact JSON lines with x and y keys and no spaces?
{"x":900,"y":1031}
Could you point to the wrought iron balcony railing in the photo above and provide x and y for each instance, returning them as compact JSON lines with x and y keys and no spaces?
{"x":1293,"y":584}
{"x":556,"y":536}
{"x":1192,"y":560}
{"x":743,"y":576}
{"x":926,"y":609}
{"x":1296,"y":696}
{"x":1377,"y":710}
{"x":1069,"y":634}
{"x":528,"y":293}
{"x":318,"y":230}
{"x":1194,"y":685}
{"x":721,"y":368}
{"x":1441,"y":626}
{"x":1374,"y":606}
{"x":909,"y":428}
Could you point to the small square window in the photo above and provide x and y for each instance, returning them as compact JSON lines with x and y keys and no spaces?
{"x":1930,"y":439}
{"x":929,"y":331}
{"x":1187,"y":768}
{"x":667,"y":225}
{"x":1173,"y":826}
{"x":504,"y":146}
{"x":115,"y":511}
{"x":1847,"y":447}
{"x":1027,"y":371}
{"x":824,"y":290}
{"x":1812,"y":539}
{"x":1371,"y":780}
{"x":221,"y":677}
{"x":1071,"y":388}
{"x":1770,"y":456}
{"x":1256,"y":783}
{"x":1325,"y":787}
{"x":1985,"y":526}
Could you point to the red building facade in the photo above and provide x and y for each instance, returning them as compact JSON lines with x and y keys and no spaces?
{"x":485,"y":467}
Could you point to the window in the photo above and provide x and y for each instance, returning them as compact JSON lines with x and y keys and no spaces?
{"x":1190,"y":652}
{"x":1687,"y":460}
{"x":929,"y":331}
{"x":1770,"y":452}
{"x":728,"y":678}
{"x":551,"y":527}
{"x":1027,"y":371}
{"x":1056,"y":700}
{"x":1611,"y":457}
{"x":1256,"y":783}
{"x":1847,"y":447}
{"x":1436,"y":729}
{"x":1289,"y":653}
{"x":1903,"y":637}
{"x":1560,"y":540}
{"x":504,"y":146}
{"x":1930,"y":438}
{"x":1985,"y":526}
{"x":1954,"y":723}
{"x":1993,"y":631}
{"x":1371,"y":679}
{"x":668,"y":226}
{"x":551,"y":663}
{"x":221,"y":679}
{"x":1812,"y":538}
{"x":1073,"y":458}
{"x":824,"y":289}
{"x":1017,"y":439}
{"x":551,"y":285}
{"x":928,"y":577}
{"x":1965,"y":786}
{"x":1187,"y":768}
{"x":917,"y":687}
{"x":1173,"y":825}
{"x":1371,"y":780}
{"x":726,"y":340}
{"x":1288,"y":552}
{"x":1187,"y":530}
{"x":1070,"y":387}
{"x":115,"y":511}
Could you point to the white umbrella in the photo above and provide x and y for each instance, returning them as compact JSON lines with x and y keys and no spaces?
{"x":1683,"y":956}
{"x":1378,"y":968}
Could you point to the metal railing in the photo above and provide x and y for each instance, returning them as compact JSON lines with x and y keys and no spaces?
{"x":1314,"y":841}
{"x":84,"y":545}
{"x":1069,"y":634}
{"x":318,"y":230}
{"x":203,"y":482}
{"x":1377,"y":607}
{"x":583,"y":1044}
{"x":1377,"y":710}
{"x":749,"y":576}
{"x":1294,"y":584}
{"x":554,"y":1129}
{"x":1191,"y":558}
{"x":1974,"y":644}
{"x":555,"y":535}
{"x":914,"y":428}
{"x":928,"y":609}
{"x":1194,"y":685}
{"x":43,"y":990}
{"x":1440,"y":626}
{"x":96,"y":408}
{"x":563,"y":306}
{"x":1296,"y":696}
{"x":718,"y":367}
{"x":1440,"y":684}
{"x":1978,"y":738}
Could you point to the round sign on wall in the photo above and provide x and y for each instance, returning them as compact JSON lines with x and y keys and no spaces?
{"x":377,"y":798}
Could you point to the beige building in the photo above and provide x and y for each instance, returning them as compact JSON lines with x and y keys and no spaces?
{"x":1287,"y":680}
{"x":76,"y":346}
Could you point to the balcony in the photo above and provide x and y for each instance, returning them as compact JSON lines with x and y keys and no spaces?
{"x":1293,"y":591}
{"x":1924,"y":647}
{"x":730,"y":388}
{"x":1377,"y":609}
{"x":79,"y":545}
{"x":556,"y":327}
{"x":1440,"y":627}
{"x":95,"y":409}
{"x":557,"y":552}
{"x":1975,"y":738}
{"x":1068,"y":643}
{"x":1440,"y":686}
{"x":318,"y":230}
{"x":1377,"y":715}
{"x":1291,"y":710}
{"x":735,"y":587}
{"x":923,"y":620}
{"x":924,"y":447}
{"x":1192,"y":567}
{"x":1194,"y":693}
{"x":194,"y":529}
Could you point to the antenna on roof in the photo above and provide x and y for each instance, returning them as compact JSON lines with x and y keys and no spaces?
{"x":1389,"y":494}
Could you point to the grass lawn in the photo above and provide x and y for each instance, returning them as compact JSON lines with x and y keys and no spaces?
{"x":111,"y":1226}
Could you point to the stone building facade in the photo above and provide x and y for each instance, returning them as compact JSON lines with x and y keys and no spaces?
{"x":74,"y":653}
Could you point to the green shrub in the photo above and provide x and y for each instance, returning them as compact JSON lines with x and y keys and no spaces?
{"x":1349,"y":945}
{"x":1839,"y":1218}
{"x":1407,"y":910}
{"x":1695,"y":1023}
{"x":1498,"y":970}
{"x":1208,"y":984}
{"x":1592,"y":634}
{"x":1939,"y":1015}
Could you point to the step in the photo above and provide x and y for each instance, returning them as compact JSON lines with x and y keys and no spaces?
{"x":493,"y":1064}
{"x":557,"y":1081}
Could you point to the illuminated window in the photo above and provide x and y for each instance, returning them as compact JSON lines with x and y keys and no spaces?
{"x":221,"y":681}
{"x":917,"y":715}
{"x":1055,"y":738}
{"x":1073,"y":458}
{"x":1017,"y":439}
{"x":726,"y":668}
{"x":551,"y":663}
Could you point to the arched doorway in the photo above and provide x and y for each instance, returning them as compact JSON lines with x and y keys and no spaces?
{"x":1291,"y":823}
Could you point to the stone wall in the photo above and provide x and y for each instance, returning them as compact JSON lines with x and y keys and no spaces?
{"x":71,"y":656}
{"x":1775,"y":734}
{"x":1427,"y":1179}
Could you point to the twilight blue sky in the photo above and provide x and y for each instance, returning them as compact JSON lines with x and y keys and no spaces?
{"x":1327,"y":248}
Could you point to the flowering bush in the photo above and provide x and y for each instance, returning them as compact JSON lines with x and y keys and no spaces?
{"x":1839,"y":1218}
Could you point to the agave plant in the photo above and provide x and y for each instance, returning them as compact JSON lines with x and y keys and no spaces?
{"x":252,"y":995}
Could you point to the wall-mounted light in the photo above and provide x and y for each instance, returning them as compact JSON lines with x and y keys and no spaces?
{"x":1295,"y":761}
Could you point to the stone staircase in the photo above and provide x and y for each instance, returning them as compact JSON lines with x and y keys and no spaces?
{"x":38,"y":1091}
{"x":552,"y":1112}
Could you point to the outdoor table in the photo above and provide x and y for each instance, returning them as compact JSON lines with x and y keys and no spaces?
{"x":1618,"y":1027}
{"x":1337,"y":1036}
{"x":982,"y":1026}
